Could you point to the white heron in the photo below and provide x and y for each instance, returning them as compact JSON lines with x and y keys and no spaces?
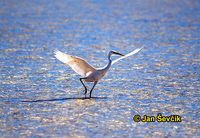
{"x":88,"y":72}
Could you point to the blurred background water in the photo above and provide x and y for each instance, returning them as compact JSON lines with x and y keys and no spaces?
{"x":162,"y":78}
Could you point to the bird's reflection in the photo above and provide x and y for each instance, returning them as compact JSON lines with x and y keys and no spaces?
{"x":63,"y":99}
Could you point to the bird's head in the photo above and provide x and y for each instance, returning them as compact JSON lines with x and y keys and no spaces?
{"x":114,"y":52}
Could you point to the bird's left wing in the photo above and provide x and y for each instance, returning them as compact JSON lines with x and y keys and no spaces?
{"x":79,"y":65}
{"x":127,"y":55}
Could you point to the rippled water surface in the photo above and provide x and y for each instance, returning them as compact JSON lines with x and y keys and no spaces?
{"x":163,"y":78}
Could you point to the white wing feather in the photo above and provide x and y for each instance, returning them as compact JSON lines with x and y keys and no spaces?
{"x":79,"y":65}
{"x":127,"y":55}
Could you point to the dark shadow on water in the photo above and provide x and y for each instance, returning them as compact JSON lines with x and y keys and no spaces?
{"x":64,"y":99}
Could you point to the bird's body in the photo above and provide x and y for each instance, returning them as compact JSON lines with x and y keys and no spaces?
{"x":89,"y":73}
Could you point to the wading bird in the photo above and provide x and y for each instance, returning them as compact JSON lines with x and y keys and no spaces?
{"x":89,"y":73}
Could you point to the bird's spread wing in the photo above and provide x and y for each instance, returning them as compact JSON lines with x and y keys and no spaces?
{"x":79,"y":65}
{"x":127,"y":55}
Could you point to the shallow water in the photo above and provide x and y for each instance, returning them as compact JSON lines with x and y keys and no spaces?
{"x":162,"y":78}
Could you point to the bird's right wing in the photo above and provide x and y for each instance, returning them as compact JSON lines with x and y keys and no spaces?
{"x":79,"y":65}
{"x":127,"y":55}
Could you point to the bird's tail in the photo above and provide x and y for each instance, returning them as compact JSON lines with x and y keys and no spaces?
{"x":127,"y":55}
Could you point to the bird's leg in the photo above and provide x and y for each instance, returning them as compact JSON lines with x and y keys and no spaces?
{"x":84,"y":86}
{"x":92,"y":88}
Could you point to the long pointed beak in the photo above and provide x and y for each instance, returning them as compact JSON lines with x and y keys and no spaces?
{"x":117,"y":53}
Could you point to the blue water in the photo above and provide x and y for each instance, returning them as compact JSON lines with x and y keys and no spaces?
{"x":163,"y":78}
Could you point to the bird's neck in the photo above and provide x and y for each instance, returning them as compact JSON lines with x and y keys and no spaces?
{"x":105,"y":69}
{"x":109,"y":63}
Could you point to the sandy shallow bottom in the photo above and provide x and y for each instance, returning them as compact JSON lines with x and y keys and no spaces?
{"x":162,"y":78}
